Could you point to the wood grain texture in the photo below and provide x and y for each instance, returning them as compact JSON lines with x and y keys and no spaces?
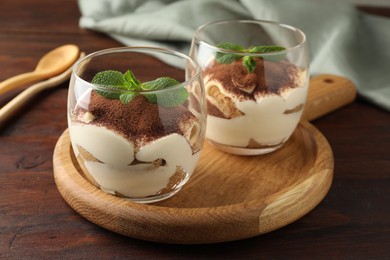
{"x":351,"y":222}
{"x":236,"y":178}
{"x":228,"y":197}
{"x":9,"y":109}
{"x":327,"y":93}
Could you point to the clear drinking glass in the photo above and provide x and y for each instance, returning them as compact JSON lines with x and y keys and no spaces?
{"x":256,"y":79}
{"x":134,"y":136}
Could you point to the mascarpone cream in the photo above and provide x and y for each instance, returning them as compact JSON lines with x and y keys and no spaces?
{"x":247,"y":116}
{"x":134,"y":154}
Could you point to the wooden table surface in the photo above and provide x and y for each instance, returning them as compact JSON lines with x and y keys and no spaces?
{"x":353,"y":221}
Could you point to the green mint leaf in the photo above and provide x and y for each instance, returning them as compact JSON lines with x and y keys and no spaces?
{"x":230,"y":46}
{"x":108,"y":94}
{"x":159,"y":83}
{"x":264,"y":49}
{"x":267,"y":49}
{"x":169,"y":98}
{"x":116,"y":83}
{"x":249,"y":63}
{"x":152,"y":98}
{"x":109,"y":78}
{"x":112,"y":80}
{"x":172,"y":98}
{"x":130,"y":81}
{"x":227,"y":58}
{"x":125,"y":98}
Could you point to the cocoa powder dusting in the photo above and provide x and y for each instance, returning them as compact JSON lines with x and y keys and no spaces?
{"x":139,"y":120}
{"x":268,"y":77}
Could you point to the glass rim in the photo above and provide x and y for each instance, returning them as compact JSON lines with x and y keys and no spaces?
{"x":138,"y":49}
{"x":253,"y":21}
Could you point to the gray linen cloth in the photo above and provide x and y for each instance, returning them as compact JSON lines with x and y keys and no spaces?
{"x":342,"y":40}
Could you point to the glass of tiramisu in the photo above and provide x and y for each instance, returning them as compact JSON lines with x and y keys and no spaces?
{"x":256,"y":80}
{"x":137,"y":119}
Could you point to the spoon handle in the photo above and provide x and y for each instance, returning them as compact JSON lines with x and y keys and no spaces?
{"x":16,"y":103}
{"x":18,"y":81}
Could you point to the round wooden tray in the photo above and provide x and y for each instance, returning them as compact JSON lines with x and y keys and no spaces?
{"x":228,"y":197}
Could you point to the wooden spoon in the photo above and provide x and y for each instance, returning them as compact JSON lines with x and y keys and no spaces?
{"x":51,"y":64}
{"x":17,"y":102}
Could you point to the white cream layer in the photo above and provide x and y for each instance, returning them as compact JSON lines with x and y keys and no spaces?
{"x":115,"y":153}
{"x":265,"y":119}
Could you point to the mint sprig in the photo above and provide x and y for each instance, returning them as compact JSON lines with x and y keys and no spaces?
{"x":249,"y":63}
{"x":247,"y":60}
{"x":169,"y":98}
{"x":227,"y":58}
{"x":125,"y":87}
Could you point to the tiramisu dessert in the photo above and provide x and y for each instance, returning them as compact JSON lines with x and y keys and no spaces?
{"x":254,"y":102}
{"x":133,"y":144}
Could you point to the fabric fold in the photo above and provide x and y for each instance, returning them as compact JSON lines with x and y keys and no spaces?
{"x":342,"y":40}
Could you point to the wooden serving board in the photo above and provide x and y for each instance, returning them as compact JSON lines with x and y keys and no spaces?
{"x":229,"y":197}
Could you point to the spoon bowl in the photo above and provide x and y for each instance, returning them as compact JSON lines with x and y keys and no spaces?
{"x":51,"y":64}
